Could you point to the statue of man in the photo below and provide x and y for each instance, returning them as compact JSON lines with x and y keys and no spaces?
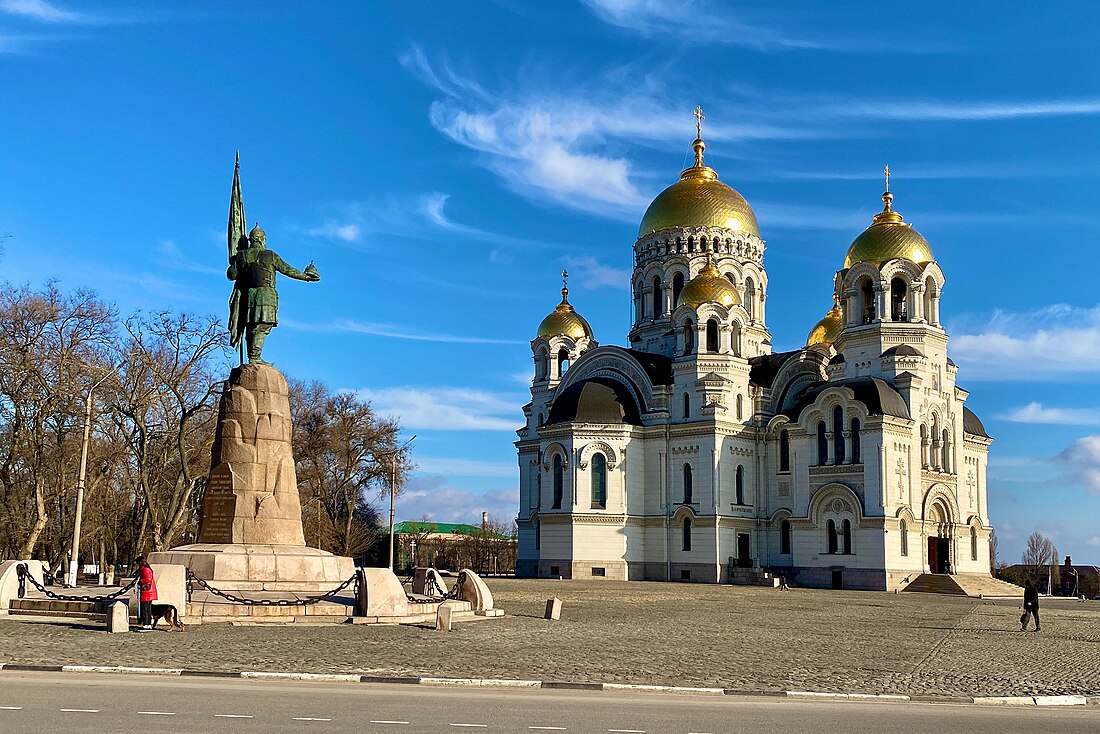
{"x":255,"y":303}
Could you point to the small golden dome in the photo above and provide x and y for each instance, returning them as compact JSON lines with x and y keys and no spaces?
{"x":826,"y":331}
{"x":564,"y":320}
{"x":699,"y":199}
{"x":709,"y":286}
{"x":888,"y":237}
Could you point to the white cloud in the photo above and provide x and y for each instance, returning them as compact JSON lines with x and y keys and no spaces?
{"x":431,"y":496}
{"x":1057,"y":340}
{"x":392,"y":331}
{"x":446,"y":408}
{"x":41,"y":10}
{"x":347,"y":231}
{"x":1094,"y":541}
{"x":591,"y":273}
{"x":170,"y":254}
{"x":969,"y":110}
{"x":1081,"y":463}
{"x":1035,"y":412}
{"x":464,"y":467}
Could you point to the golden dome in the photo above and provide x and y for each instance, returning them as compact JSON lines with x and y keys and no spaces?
{"x":699,"y":199}
{"x":827,"y":330}
{"x":888,"y":237}
{"x":565,"y":321}
{"x":709,"y":286}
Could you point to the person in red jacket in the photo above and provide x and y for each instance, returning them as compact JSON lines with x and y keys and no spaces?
{"x":147,"y":593}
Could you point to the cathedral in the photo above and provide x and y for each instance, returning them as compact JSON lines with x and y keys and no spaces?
{"x":697,"y":454}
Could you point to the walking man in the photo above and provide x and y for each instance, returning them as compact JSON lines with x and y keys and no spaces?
{"x":1031,"y":606}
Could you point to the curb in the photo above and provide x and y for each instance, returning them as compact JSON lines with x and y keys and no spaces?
{"x":1065,"y":700}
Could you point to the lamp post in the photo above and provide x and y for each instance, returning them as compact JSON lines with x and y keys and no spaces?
{"x":73,"y":560}
{"x":393,"y":485}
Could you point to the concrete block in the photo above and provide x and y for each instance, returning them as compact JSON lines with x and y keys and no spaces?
{"x":118,"y":617}
{"x":443,"y":617}
{"x":380,"y":594}
{"x":553,"y":609}
{"x":9,"y":581}
{"x":474,"y":590}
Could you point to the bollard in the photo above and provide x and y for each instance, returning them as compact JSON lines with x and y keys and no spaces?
{"x":553,"y":609}
{"x":118,"y":617}
{"x":443,"y":617}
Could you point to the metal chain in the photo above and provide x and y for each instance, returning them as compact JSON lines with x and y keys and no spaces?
{"x":439,"y":596}
{"x":309,"y":600}
{"x":24,"y":576}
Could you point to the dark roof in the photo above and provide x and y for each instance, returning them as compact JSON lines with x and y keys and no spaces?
{"x":951,"y":363}
{"x":413,"y":527}
{"x":766,"y":367}
{"x":595,"y":400}
{"x":838,"y":359}
{"x":902,"y":350}
{"x":657,"y":367}
{"x":972,"y":424}
{"x":878,"y":395}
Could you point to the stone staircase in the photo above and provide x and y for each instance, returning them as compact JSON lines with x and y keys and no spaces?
{"x":44,"y":607}
{"x":972,"y":585}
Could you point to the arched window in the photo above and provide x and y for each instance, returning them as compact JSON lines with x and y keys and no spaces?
{"x":847,"y":537}
{"x":599,"y":481}
{"x":856,"y":457}
{"x":945,"y":447}
{"x":822,"y":444}
{"x":687,"y":484}
{"x":785,"y":538}
{"x":541,"y":419}
{"x":784,"y":451}
{"x":687,"y":533}
{"x":658,"y":299}
{"x":538,"y":535}
{"x":838,"y":435}
{"x":739,"y":484}
{"x":538,"y":491}
{"x":750,"y":298}
{"x":899,"y":306}
{"x":930,"y":296}
{"x":639,"y":302}
{"x":559,"y":482}
{"x":735,"y":339}
{"x":923,"y":446}
{"x":542,"y":365}
{"x":867,"y":300}
{"x":740,"y":407}
{"x":904,"y":530}
{"x":712,"y":336}
{"x":689,"y":337}
{"x":677,"y":288}
{"x":830,"y":536}
{"x":687,"y":406}
{"x":563,"y":362}
{"x":973,"y":543}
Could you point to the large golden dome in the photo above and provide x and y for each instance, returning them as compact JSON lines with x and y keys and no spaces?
{"x":709,"y":286}
{"x":888,"y":237}
{"x":699,"y":199}
{"x":565,"y":321}
{"x":826,"y":331}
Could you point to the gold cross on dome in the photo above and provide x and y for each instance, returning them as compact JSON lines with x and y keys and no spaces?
{"x":886,"y":170}
{"x":564,"y":278}
{"x":698,"y":121}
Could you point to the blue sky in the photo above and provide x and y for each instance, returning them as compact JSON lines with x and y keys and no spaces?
{"x":442,"y":162}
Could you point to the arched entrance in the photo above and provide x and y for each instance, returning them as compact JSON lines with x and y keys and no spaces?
{"x":938,"y":525}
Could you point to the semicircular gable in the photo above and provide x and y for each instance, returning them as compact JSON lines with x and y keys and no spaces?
{"x":835,"y":497}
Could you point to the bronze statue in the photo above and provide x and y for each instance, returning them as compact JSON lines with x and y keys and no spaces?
{"x":254,"y":305}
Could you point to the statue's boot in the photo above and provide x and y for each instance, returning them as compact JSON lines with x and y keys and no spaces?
{"x":256,"y":339}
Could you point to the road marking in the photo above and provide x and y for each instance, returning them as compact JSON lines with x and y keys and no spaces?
{"x":548,"y":728}
{"x":233,"y":716}
{"x":81,"y":711}
{"x":629,"y":731}
{"x":384,"y":721}
{"x":158,"y":713}
{"x":11,"y":708}
{"x":480,"y":726}
{"x":307,"y":718}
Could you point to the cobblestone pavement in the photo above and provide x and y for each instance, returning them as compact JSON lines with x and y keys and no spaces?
{"x":649,"y":633}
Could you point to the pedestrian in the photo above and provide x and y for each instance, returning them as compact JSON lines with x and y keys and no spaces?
{"x":147,"y":593}
{"x":1031,"y":606}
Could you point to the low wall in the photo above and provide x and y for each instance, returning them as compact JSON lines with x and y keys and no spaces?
{"x":9,"y":580}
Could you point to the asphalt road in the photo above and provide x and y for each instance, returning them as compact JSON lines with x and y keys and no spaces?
{"x":48,"y":702}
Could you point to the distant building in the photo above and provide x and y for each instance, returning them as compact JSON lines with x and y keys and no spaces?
{"x":1068,"y":579}
{"x":448,"y":545}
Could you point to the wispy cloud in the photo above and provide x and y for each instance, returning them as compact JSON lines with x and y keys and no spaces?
{"x":591,"y":273}
{"x":973,"y":110}
{"x":169,"y":254}
{"x":42,"y":11}
{"x":432,"y":497}
{"x":1049,"y":342}
{"x":392,"y":331}
{"x":446,"y":408}
{"x":464,"y":467}
{"x":1037,"y":413}
{"x":1081,"y":463}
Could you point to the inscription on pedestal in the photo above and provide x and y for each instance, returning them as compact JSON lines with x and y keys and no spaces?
{"x":219,"y":505}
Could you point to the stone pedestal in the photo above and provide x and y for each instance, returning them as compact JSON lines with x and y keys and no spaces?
{"x":250,"y":535}
{"x":118,"y":617}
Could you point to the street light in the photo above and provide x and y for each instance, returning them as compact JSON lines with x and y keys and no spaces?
{"x":71,"y":579}
{"x":393,"y":484}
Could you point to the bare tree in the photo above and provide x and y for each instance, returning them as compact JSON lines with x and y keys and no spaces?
{"x":994,"y":565}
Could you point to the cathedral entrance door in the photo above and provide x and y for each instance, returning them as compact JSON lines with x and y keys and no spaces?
{"x":743,"y":553}
{"x":938,"y":553}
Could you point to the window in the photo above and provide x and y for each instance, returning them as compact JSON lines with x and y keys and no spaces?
{"x":740,"y":407}
{"x":597,"y":571}
{"x":538,"y":490}
{"x":784,"y":451}
{"x":559,"y":482}
{"x":904,"y":530}
{"x":973,"y":544}
{"x":685,"y":574}
{"x":923,"y":446}
{"x":542,"y":365}
{"x":538,"y":535}
{"x":541,"y":419}
{"x":689,"y":337}
{"x":899,"y":307}
{"x":712,"y":336}
{"x":740,"y":484}
{"x":822,"y":445}
{"x":750,"y":298}
{"x":785,"y":538}
{"x":867,"y":300}
{"x":687,"y":484}
{"x":563,"y":362}
{"x":599,"y":481}
{"x":946,"y":448}
{"x":855,"y":442}
{"x":847,"y":537}
{"x":687,"y":533}
{"x":735,"y":339}
{"x":830,"y":536}
{"x":658,"y":299}
{"x":838,"y":435}
{"x":677,"y":288}
{"x":687,"y":406}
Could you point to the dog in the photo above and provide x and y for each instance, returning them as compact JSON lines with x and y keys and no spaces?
{"x":168,"y":613}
